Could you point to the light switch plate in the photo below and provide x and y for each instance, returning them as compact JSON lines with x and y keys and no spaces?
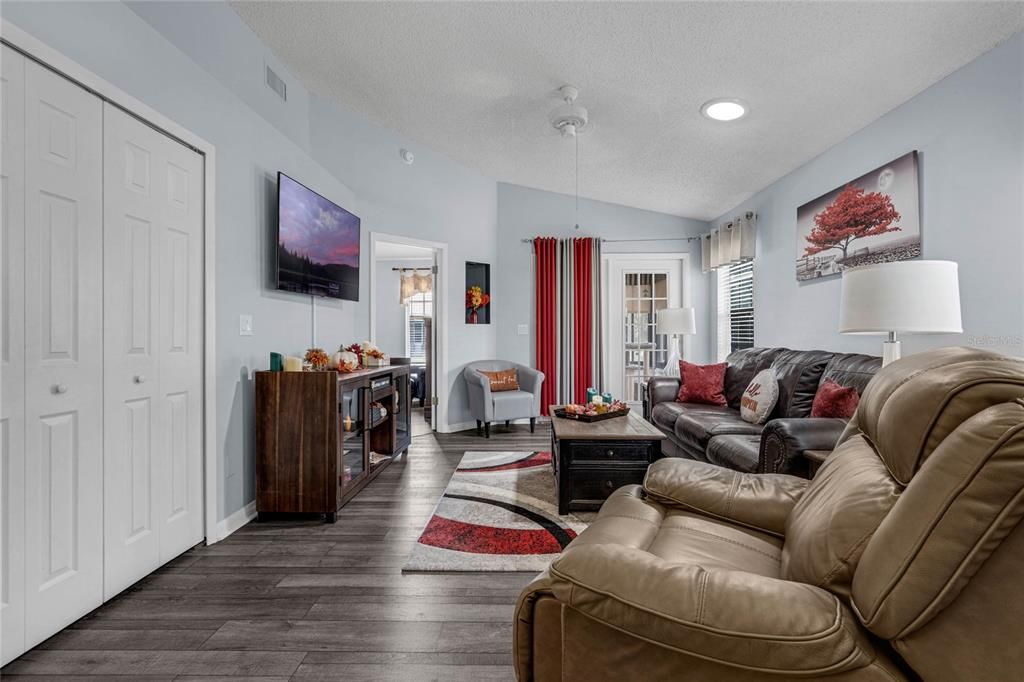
{"x":523,"y":329}
{"x":245,"y":325}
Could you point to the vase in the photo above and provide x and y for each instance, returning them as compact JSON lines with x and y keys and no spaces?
{"x":474,"y":318}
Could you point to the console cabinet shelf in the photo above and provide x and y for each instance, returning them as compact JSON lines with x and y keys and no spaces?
{"x":322,"y":436}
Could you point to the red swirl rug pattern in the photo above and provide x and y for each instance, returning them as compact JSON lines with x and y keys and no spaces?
{"x":498,"y":513}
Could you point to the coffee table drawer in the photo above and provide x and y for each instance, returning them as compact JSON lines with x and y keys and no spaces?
{"x":591,"y":487}
{"x":602,"y":451}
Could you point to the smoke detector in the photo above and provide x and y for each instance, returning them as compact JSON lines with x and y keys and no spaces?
{"x":569,"y":119}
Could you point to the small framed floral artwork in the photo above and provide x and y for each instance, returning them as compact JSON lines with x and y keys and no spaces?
{"x":478,"y":293}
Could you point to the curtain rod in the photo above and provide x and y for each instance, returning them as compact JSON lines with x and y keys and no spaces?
{"x":653,"y":239}
{"x":749,"y":215}
{"x":406,"y":269}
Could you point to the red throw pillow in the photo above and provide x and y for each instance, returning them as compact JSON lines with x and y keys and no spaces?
{"x":702,"y":383}
{"x":833,"y":400}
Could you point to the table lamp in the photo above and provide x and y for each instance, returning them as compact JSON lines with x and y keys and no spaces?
{"x":673,"y":322}
{"x":904,"y":297}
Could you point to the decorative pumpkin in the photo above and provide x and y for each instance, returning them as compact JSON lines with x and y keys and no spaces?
{"x":347,"y":361}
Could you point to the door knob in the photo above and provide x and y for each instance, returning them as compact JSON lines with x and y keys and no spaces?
{"x":60,"y":388}
{"x":140,"y":378}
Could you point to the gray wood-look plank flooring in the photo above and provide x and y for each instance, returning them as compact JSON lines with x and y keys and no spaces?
{"x":304,"y":600}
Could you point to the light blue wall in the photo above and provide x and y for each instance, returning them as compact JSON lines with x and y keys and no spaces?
{"x":969,"y":130}
{"x":200,"y":66}
{"x":526,"y":213}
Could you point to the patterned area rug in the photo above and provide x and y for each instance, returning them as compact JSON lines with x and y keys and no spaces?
{"x":498,"y":513}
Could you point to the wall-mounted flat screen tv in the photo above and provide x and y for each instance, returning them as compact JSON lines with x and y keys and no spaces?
{"x":317,"y":243}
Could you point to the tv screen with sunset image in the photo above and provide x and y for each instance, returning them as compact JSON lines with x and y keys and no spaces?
{"x":317,"y":243}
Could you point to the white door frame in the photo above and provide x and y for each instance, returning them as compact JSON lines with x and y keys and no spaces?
{"x":37,"y":50}
{"x":440,"y":314}
{"x":607,"y":259}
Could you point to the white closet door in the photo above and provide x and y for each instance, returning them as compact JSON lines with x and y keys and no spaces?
{"x":63,"y":353}
{"x":152,"y":296}
{"x":12,"y":372}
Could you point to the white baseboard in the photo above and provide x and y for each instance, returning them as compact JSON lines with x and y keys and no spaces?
{"x":234,"y":522}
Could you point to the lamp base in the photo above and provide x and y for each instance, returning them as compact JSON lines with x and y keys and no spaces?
{"x":672,"y":364}
{"x":891,"y":351}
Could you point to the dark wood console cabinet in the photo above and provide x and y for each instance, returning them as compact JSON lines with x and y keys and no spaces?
{"x":321,"y":436}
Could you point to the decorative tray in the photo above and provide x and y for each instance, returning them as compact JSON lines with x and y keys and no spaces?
{"x":560,"y":412}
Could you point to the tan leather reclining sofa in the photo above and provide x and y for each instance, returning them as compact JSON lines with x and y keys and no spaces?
{"x":902,"y":558}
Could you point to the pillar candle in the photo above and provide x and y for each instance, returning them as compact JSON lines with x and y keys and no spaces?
{"x":292,"y":364}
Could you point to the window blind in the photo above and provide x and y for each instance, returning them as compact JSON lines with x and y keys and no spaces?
{"x":417,"y":340}
{"x":735,"y":308}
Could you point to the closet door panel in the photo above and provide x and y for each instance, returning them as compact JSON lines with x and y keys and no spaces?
{"x":131,"y":236}
{"x":63,"y":353}
{"x":152,"y":290}
{"x":12,"y":355}
{"x":181,"y":350}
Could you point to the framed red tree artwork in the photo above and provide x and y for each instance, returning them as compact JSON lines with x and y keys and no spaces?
{"x":873,"y":219}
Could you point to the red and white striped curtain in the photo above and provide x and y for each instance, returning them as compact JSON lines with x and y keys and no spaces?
{"x":567,"y":290}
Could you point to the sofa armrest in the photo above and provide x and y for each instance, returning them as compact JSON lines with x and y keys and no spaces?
{"x":662,"y":390}
{"x":531,"y":380}
{"x":479,"y":388}
{"x":783,"y":442}
{"x":734,"y":618}
{"x":758,"y":501}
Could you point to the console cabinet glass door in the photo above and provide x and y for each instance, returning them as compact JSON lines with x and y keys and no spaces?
{"x":352,"y":424}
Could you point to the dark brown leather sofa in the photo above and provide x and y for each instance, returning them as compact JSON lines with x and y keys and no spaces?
{"x":718,"y":435}
{"x":900,"y":560}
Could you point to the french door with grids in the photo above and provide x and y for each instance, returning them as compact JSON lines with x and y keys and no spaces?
{"x":638,"y":288}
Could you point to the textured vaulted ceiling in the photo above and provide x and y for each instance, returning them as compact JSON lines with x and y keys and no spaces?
{"x":476,"y":81}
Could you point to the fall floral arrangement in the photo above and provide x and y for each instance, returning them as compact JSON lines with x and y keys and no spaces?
{"x":476,"y":298}
{"x":364,"y":351}
{"x":317,"y":359}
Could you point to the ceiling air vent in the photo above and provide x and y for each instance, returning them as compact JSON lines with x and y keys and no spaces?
{"x":275,"y":83}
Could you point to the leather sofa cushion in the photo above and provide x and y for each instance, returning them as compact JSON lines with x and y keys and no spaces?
{"x":739,"y":451}
{"x":833,"y":521}
{"x":629,"y":520}
{"x":799,"y":373}
{"x":744,"y":364}
{"x":664,"y":415}
{"x":699,"y":423}
{"x":851,"y":370}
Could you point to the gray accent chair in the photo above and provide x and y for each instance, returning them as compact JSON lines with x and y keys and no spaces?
{"x":503,"y":406}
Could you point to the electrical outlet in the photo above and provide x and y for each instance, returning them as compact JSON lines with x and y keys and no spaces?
{"x":523,"y":329}
{"x":245,"y":325}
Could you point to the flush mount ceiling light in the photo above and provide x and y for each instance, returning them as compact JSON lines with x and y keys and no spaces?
{"x":724,"y":109}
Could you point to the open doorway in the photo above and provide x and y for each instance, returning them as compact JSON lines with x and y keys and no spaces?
{"x":404,"y":317}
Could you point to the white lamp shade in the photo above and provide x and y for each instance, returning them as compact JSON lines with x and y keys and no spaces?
{"x":677,"y":321}
{"x":913,"y":297}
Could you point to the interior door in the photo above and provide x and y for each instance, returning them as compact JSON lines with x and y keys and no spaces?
{"x":152,"y":299}
{"x":637,"y":289}
{"x":12,"y":355}
{"x":63,"y":352}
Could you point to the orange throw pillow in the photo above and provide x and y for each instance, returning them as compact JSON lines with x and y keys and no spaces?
{"x":702,"y":383}
{"x":504,"y":380}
